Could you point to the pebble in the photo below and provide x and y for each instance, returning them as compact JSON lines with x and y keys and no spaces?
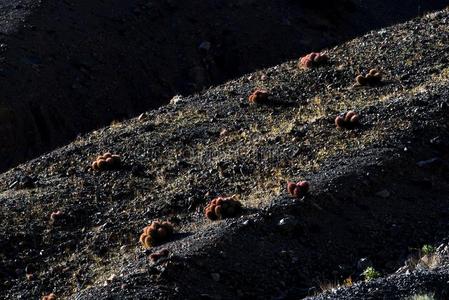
{"x":364,"y":263}
{"x":215,"y":276}
{"x":383,"y":194}
{"x":288,"y":223}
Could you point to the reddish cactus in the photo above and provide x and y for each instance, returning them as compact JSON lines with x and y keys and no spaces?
{"x":106,"y":161}
{"x":155,"y":233}
{"x":222,"y":208}
{"x":373,"y":77}
{"x":348,"y":120}
{"x":258,"y":96}
{"x":313,"y":59}
{"x":50,"y":296}
{"x":299,"y":189}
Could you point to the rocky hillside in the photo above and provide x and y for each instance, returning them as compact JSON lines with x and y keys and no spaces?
{"x":377,"y":191}
{"x":67,"y":67}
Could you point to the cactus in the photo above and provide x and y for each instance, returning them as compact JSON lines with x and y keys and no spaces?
{"x":299,"y":189}
{"x":373,"y":77}
{"x":348,"y":120}
{"x":222,"y":208}
{"x":106,"y":161}
{"x":258,"y":96}
{"x":155,"y":233}
{"x":313,"y":59}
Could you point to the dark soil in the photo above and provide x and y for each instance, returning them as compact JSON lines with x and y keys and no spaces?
{"x":374,"y":192}
{"x":68,"y":67}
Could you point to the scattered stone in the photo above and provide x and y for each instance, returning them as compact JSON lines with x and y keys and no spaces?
{"x":363,"y":264}
{"x":383,"y":194}
{"x":176,"y":99}
{"x":215,"y":277}
{"x":29,"y":271}
{"x":24,"y":182}
{"x":288,"y":223}
{"x":56,"y":217}
{"x":224,"y":132}
{"x":432,"y":163}
{"x":158,"y":255}
{"x":143,"y":117}
{"x":204,"y":46}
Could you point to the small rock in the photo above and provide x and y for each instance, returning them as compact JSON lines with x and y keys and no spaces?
{"x":383,"y":194}
{"x":224,"y":132}
{"x":288,"y":223}
{"x":204,"y":46}
{"x":142,"y":117}
{"x":246,"y":222}
{"x":26,"y":182}
{"x":176,"y":99}
{"x":363,"y":263}
{"x":215,"y":277}
{"x":433,"y":162}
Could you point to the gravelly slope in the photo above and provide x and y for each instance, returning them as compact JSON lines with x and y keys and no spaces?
{"x":67,"y":67}
{"x":369,"y":197}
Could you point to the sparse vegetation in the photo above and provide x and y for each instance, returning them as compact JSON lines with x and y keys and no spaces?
{"x":427,"y":249}
{"x":213,"y":142}
{"x":156,"y":233}
{"x":348,"y":281}
{"x":429,"y":296}
{"x":370,"y":274}
{"x":328,"y":286}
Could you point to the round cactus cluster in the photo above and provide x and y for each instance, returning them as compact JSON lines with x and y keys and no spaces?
{"x":372,"y":78}
{"x":49,"y":297}
{"x":158,"y":255}
{"x":258,"y":96}
{"x":106,"y":161}
{"x":222,"y":208}
{"x":348,"y":120}
{"x":313,"y":59}
{"x":155,"y":233}
{"x":299,"y":189}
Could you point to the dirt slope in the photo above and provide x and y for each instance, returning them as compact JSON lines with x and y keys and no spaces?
{"x":374,"y":192}
{"x":68,"y":67}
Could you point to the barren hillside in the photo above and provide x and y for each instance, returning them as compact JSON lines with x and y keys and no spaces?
{"x":376,"y":191}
